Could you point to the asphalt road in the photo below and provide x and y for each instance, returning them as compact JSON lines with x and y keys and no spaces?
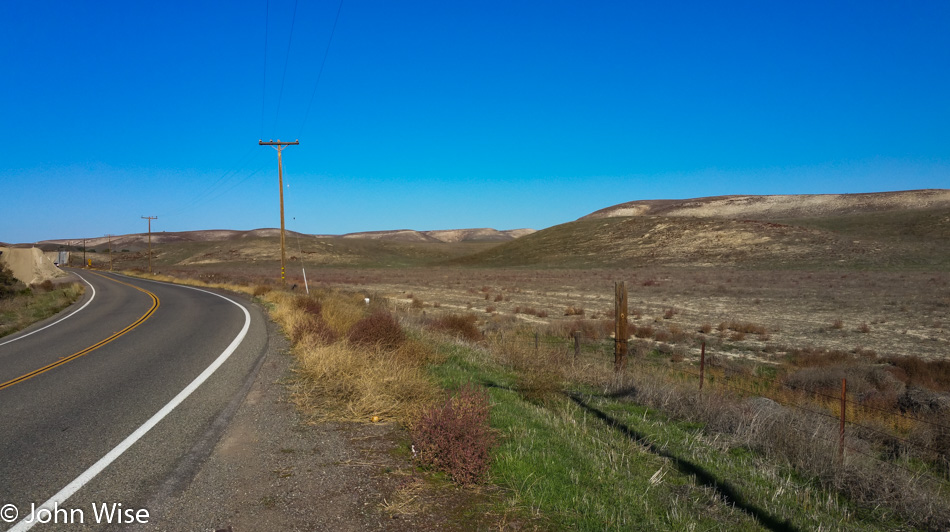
{"x":150,"y":341}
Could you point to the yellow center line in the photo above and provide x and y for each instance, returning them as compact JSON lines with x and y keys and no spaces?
{"x":95,"y":346}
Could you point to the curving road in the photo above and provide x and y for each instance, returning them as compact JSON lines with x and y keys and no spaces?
{"x":108,"y":406}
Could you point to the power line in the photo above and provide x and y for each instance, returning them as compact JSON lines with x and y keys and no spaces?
{"x":239,"y":183}
{"x":322,"y":64}
{"x":264,"y":84}
{"x":218,"y":183}
{"x":283,"y":78}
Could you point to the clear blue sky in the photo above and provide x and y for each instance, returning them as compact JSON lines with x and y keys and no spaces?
{"x":443,"y":114}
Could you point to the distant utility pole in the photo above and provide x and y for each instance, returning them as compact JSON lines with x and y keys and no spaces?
{"x":110,"y":252}
{"x":150,"y":218}
{"x":279,"y":146}
{"x":84,"y":253}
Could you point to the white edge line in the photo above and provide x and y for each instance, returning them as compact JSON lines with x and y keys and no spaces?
{"x":117,"y":451}
{"x":61,"y":319}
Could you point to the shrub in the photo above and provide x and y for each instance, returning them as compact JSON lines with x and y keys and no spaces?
{"x":817,"y":357}
{"x":574,"y":311}
{"x":459,"y":325}
{"x":45,"y":286}
{"x":705,"y":328}
{"x":261,"y":289}
{"x":538,"y":380}
{"x":668,"y":315}
{"x":932,"y":374}
{"x":455,"y":436}
{"x":746,"y":327}
{"x":314,"y":326}
{"x":9,"y":285}
{"x":309,"y":305}
{"x":592,"y":329}
{"x":341,"y":311}
{"x":379,"y":328}
{"x":643,"y":332}
{"x":490,"y":308}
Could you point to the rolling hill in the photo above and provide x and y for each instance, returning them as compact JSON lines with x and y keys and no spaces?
{"x":894,"y":230}
{"x":888,"y":230}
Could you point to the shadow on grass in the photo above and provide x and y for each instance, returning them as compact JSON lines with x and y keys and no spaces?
{"x":704,"y":477}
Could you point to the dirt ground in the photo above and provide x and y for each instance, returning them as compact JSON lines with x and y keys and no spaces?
{"x":905,"y":313}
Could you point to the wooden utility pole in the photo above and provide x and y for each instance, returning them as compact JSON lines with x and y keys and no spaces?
{"x":110,"y":252}
{"x":620,"y":330}
{"x":150,"y":218}
{"x":279,"y":146}
{"x":84,"y":253}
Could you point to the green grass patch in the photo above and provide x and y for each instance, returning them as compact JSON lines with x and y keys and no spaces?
{"x":588,"y":462}
{"x":23,"y":309}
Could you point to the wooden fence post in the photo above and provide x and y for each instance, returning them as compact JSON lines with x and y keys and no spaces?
{"x":702,"y":365}
{"x":577,"y":344}
{"x":844,"y":404}
{"x":537,"y":342}
{"x":620,"y":330}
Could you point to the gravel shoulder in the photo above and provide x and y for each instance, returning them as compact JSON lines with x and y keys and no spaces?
{"x":272,"y":470}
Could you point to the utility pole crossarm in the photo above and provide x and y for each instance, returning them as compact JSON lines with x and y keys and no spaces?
{"x":277,"y":143}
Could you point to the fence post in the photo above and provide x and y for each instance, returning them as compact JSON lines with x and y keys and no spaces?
{"x":702,"y":364}
{"x":620,"y":329}
{"x":537,"y":342}
{"x":844,"y":404}
{"x":577,"y":344}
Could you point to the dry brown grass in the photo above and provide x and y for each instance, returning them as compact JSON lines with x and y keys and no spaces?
{"x":380,"y":373}
{"x":464,"y":326}
{"x":805,"y":440}
{"x":342,"y":311}
{"x":19,"y":310}
{"x":341,"y":381}
{"x":539,"y":373}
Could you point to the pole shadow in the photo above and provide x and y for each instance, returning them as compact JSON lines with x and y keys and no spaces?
{"x":702,"y":476}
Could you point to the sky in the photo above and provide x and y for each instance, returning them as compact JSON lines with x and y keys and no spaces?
{"x":444,"y":115}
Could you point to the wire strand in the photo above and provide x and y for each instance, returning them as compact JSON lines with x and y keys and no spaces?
{"x":323,"y":63}
{"x":283,"y":78}
{"x":264,"y":84}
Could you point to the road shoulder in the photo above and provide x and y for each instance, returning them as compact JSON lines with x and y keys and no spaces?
{"x":272,"y":470}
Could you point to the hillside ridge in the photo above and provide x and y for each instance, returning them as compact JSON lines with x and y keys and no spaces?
{"x":775,"y":207}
